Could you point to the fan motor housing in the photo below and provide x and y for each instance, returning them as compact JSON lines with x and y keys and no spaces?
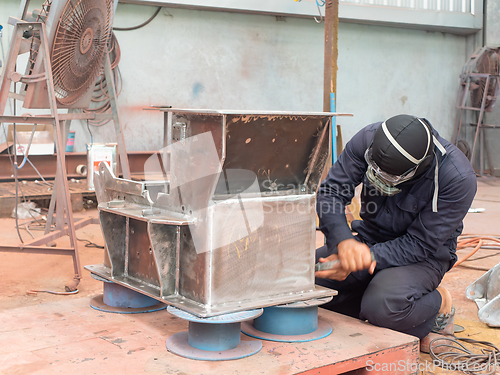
{"x":486,"y":61}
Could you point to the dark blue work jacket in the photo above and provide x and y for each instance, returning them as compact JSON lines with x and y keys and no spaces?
{"x":401,"y":229}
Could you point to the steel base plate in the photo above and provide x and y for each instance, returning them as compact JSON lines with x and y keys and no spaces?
{"x":324,"y":329}
{"x":178,"y":344}
{"x":219,"y":319}
{"x":210,"y":310}
{"x":98,"y":304}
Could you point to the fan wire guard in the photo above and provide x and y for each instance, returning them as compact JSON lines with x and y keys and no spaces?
{"x":488,"y":63}
{"x":100,"y":102}
{"x":79,"y":46}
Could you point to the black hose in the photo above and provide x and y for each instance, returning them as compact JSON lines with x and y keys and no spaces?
{"x":139,"y":26}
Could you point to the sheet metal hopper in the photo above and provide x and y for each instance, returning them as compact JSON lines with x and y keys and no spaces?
{"x":225,"y":220}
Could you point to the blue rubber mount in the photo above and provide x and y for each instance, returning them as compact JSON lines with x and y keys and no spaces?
{"x":295,"y":322}
{"x":121,"y":300}
{"x":278,"y":321}
{"x":213,"y":339}
{"x":178,"y":344}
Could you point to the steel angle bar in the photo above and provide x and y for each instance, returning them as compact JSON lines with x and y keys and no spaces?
{"x":38,"y":250}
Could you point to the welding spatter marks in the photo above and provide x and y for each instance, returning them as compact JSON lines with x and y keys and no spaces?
{"x":249,"y":118}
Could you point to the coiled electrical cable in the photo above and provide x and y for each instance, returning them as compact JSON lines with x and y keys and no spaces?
{"x":449,"y":352}
{"x":100,"y":102}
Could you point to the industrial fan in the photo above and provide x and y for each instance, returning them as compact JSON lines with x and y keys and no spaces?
{"x":480,"y":84}
{"x":67,"y":41}
{"x":78,"y":32}
{"x":485,"y":62}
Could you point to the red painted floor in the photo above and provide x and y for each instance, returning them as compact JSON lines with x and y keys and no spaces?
{"x":70,"y":337}
{"x":50,"y":334}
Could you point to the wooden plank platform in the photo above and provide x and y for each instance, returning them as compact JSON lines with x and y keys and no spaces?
{"x":40,"y":193}
{"x":69,"y":337}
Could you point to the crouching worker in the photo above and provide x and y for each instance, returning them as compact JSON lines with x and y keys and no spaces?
{"x":417,"y":188}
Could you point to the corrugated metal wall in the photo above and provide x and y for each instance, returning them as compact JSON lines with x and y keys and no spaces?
{"x":461,"y":6}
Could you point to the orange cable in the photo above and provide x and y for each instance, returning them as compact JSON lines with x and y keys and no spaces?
{"x":470,"y":254}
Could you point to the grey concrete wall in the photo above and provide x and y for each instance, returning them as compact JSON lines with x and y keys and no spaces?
{"x":492,"y":32}
{"x":199,"y":59}
{"x":202,"y":59}
{"x":385,"y":71}
{"x":492,"y":39}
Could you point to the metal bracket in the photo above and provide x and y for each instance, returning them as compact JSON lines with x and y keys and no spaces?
{"x":485,"y":291}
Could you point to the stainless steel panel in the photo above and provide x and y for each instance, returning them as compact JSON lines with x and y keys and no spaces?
{"x":141,"y":261}
{"x":164,"y":243}
{"x":275,"y":259}
{"x":114,"y":228}
{"x":194,"y":270}
{"x":279,"y":150}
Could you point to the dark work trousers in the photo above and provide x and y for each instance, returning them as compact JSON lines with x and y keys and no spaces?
{"x":403,"y":299}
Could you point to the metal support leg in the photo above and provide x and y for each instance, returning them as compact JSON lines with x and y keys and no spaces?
{"x":61,"y":189}
{"x":116,"y":119}
{"x":480,"y":119}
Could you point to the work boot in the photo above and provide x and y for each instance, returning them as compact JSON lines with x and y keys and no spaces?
{"x":443,"y":324}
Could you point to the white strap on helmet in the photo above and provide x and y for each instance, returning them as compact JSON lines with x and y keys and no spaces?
{"x":417,"y":161}
{"x":401,"y":149}
{"x":436,"y":184}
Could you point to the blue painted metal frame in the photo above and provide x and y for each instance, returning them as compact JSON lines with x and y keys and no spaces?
{"x":334,"y":128}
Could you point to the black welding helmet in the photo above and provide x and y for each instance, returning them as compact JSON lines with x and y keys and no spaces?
{"x":402,"y":149}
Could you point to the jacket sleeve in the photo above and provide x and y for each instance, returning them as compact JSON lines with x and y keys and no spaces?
{"x":337,"y":190}
{"x":429,"y":232}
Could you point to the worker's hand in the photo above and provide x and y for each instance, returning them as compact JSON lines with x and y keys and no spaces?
{"x":355,"y":256}
{"x":335,"y":273}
